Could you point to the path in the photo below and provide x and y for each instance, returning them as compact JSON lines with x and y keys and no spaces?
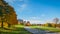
{"x":36,"y":31}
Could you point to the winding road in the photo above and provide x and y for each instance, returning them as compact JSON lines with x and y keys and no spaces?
{"x":36,"y":31}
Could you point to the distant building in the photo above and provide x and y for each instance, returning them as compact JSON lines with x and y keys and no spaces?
{"x":28,"y":23}
{"x":25,"y":22}
{"x":20,"y":21}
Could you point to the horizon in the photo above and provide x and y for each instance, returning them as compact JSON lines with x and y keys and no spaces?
{"x":36,"y":11}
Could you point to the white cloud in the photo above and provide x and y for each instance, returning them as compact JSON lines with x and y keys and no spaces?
{"x":23,"y":6}
{"x":35,"y":17}
{"x":12,"y":1}
{"x":42,"y":15}
{"x":35,"y":21}
{"x":20,"y":0}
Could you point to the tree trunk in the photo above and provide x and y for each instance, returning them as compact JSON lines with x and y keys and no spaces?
{"x":2,"y":24}
{"x":9,"y":25}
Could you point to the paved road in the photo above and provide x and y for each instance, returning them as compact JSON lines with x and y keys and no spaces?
{"x":36,"y":31}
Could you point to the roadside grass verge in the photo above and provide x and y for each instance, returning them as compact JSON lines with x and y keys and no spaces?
{"x":17,"y":29}
{"x":51,"y":29}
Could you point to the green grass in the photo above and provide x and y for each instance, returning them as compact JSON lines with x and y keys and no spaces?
{"x":18,"y":29}
{"x":51,"y":29}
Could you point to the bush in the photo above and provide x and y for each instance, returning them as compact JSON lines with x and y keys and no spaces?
{"x":49,"y":25}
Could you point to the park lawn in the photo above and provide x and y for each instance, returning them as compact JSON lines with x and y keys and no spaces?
{"x":18,"y":29}
{"x":51,"y":29}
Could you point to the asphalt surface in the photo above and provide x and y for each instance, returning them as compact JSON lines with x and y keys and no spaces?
{"x":36,"y":31}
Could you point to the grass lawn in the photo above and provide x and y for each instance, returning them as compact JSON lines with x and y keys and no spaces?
{"x":18,"y":29}
{"x":46,"y":28}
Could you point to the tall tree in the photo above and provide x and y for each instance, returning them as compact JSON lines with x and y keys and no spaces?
{"x":56,"y":20}
{"x":7,"y":12}
{"x":1,"y":15}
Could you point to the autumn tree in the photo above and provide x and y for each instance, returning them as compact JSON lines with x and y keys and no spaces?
{"x":7,"y":14}
{"x":1,"y":15}
{"x":48,"y":24}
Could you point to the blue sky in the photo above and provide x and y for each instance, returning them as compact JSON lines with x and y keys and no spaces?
{"x":36,"y":11}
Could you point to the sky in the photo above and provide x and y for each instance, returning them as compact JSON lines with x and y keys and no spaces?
{"x":36,"y":11}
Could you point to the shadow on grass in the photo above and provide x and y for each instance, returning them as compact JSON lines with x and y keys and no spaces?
{"x":17,"y":30}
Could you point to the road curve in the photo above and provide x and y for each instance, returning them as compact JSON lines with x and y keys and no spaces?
{"x":36,"y":31}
